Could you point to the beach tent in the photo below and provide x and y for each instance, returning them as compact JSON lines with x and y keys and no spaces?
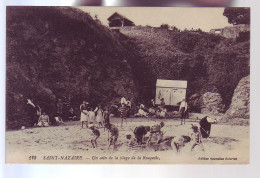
{"x":173,"y":91}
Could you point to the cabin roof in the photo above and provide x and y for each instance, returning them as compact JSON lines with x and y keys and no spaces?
{"x":117,"y":16}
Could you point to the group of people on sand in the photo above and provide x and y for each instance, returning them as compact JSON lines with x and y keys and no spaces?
{"x":99,"y":117}
{"x":157,"y":137}
{"x":89,"y":115}
{"x":40,"y":118}
{"x":160,"y":111}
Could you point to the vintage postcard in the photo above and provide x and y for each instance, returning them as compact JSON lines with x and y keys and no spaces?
{"x":127,"y":85}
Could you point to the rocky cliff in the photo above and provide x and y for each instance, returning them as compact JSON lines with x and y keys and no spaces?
{"x":62,"y":52}
{"x":240,"y":104}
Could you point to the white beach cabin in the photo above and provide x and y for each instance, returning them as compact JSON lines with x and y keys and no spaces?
{"x":173,"y":91}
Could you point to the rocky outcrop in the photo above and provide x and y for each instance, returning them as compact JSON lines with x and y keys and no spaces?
{"x":212,"y":103}
{"x":194,"y":102}
{"x":240,"y":104}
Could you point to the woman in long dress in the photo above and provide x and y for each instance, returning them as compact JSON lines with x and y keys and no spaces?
{"x":84,"y":113}
{"x":99,"y":115}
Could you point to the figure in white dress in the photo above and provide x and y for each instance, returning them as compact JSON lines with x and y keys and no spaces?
{"x":99,"y":116}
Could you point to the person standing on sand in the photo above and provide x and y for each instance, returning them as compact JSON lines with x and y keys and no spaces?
{"x":123,"y":113}
{"x":59,"y":107}
{"x":106,"y":116}
{"x":91,"y":115}
{"x":183,"y":110}
{"x":84,"y":114}
{"x":99,"y":115}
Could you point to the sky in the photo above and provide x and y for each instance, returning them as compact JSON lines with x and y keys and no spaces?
{"x":180,"y":17}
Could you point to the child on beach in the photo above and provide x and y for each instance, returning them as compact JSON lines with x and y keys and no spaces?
{"x":96,"y":134}
{"x":99,"y":115}
{"x":114,"y":135}
{"x":155,"y":133}
{"x":195,"y":137}
{"x":123,"y":113}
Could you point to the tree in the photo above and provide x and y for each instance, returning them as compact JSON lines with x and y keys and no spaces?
{"x":237,"y":15}
{"x":165,"y":26}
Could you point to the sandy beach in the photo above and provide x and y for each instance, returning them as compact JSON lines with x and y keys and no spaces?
{"x":69,"y":143}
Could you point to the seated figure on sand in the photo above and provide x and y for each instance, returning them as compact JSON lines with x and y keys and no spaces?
{"x":141,"y":111}
{"x":71,"y":115}
{"x":43,"y":120}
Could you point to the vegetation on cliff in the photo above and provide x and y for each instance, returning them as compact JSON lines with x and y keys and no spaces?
{"x":61,"y":52}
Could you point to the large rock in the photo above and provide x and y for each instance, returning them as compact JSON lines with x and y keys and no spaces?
{"x":211,"y":103}
{"x":240,"y":104}
{"x":194,"y":102}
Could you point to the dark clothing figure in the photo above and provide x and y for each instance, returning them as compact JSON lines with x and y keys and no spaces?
{"x":140,"y":132}
{"x":59,"y":108}
{"x":106,"y":118}
{"x":162,"y":104}
{"x":205,"y":127}
{"x":72,"y":115}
